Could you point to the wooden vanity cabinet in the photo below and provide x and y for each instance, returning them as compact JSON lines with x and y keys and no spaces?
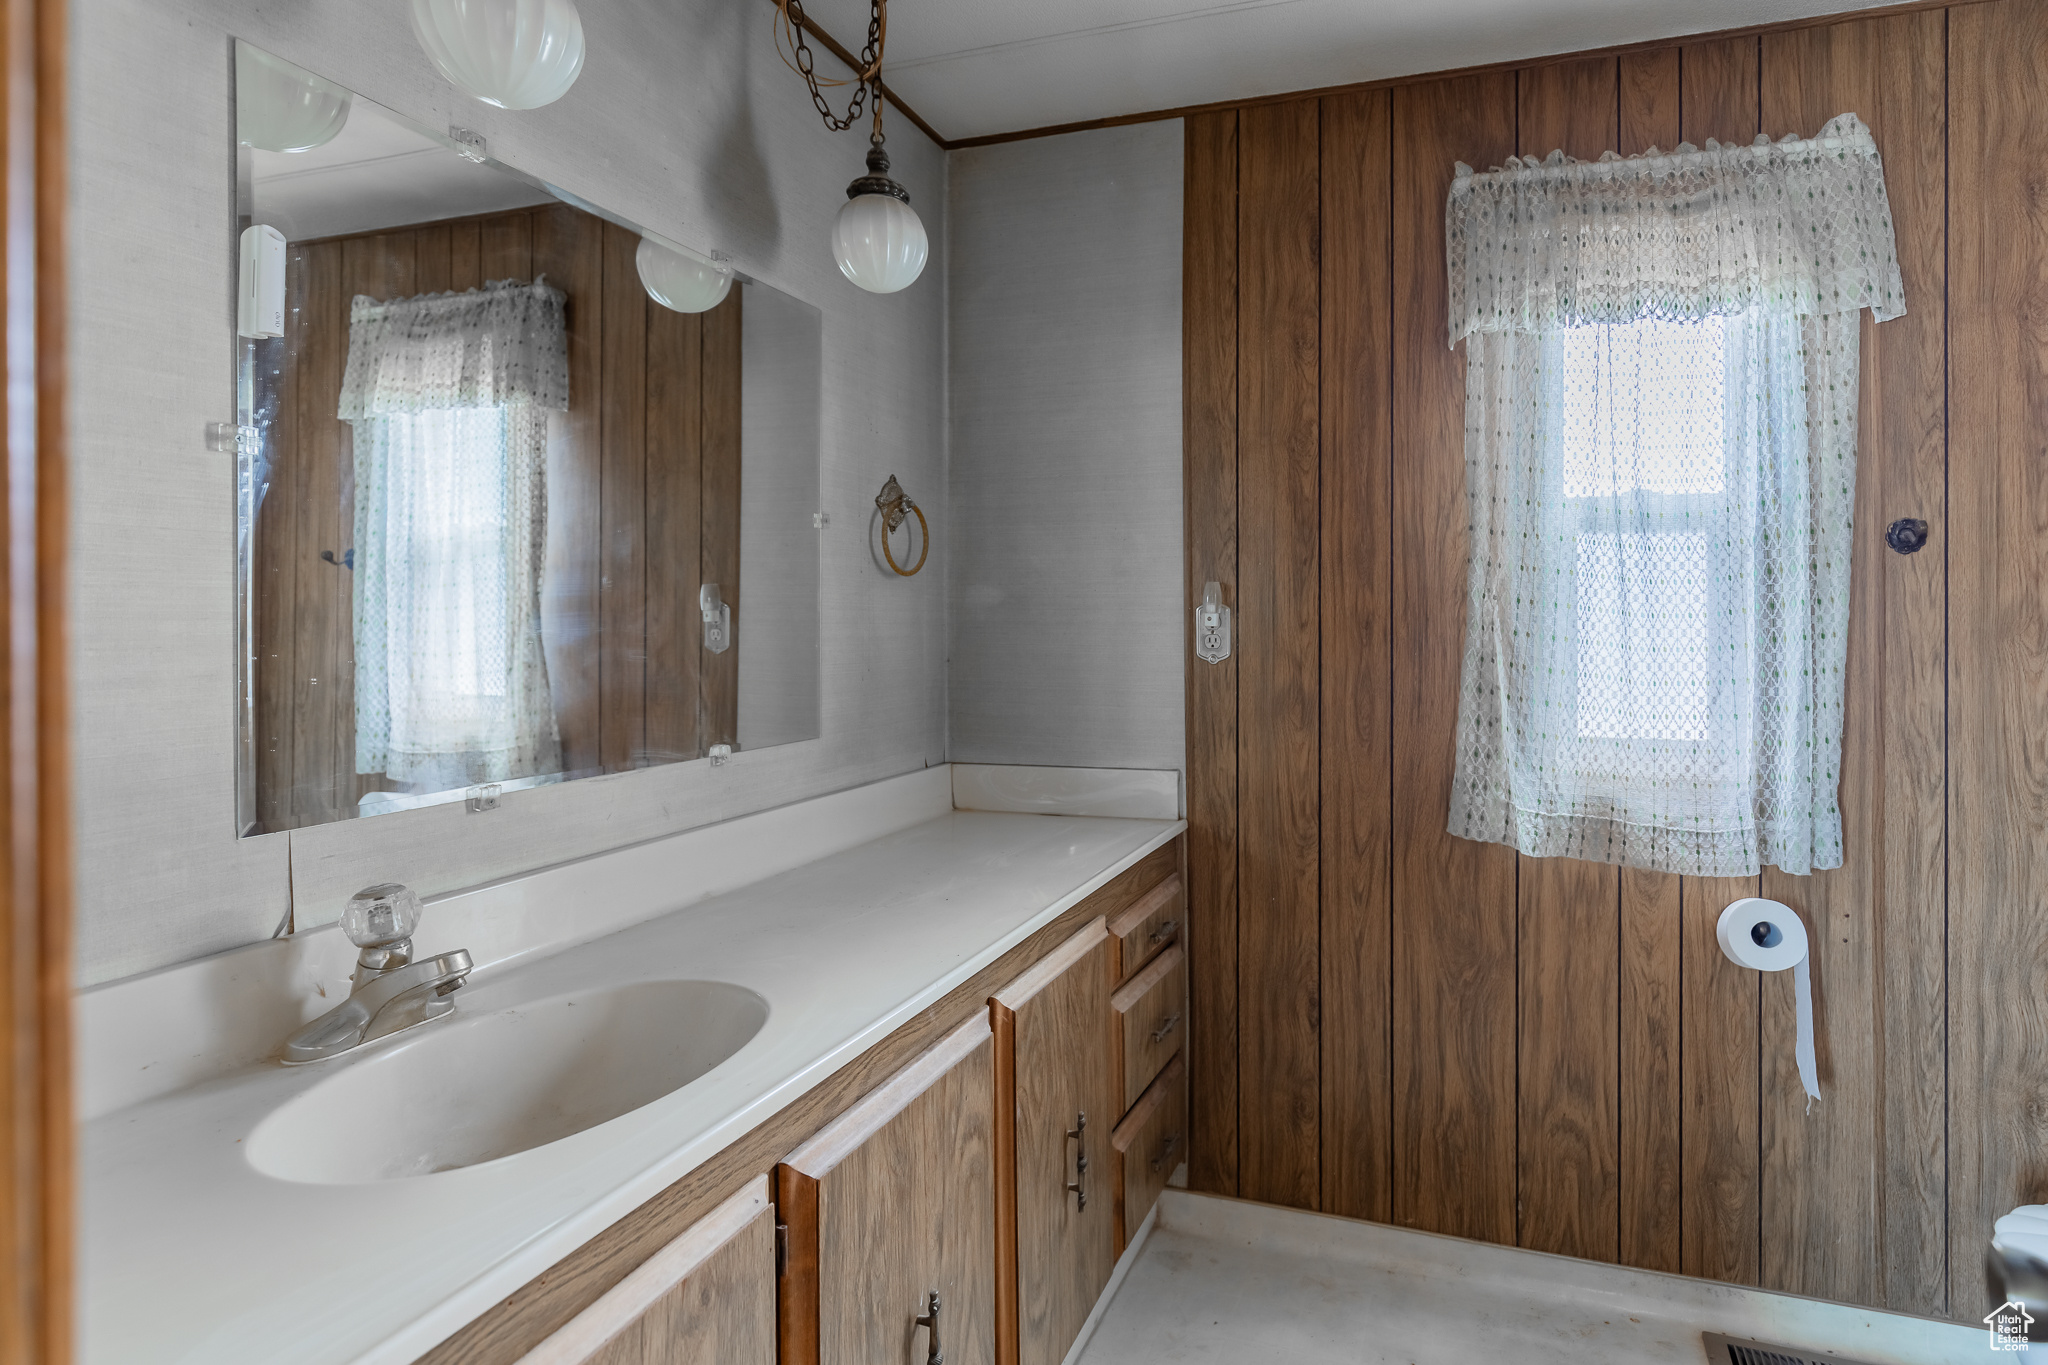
{"x":897,"y":1156}
{"x":892,"y":1202}
{"x":1056,"y":1204}
{"x":707,"y":1298}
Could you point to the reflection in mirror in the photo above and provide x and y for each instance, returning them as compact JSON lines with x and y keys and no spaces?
{"x":526,"y":494}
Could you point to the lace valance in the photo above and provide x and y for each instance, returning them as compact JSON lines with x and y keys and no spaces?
{"x":1801,"y":227}
{"x":503,"y":344}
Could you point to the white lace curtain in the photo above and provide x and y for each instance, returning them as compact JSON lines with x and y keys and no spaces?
{"x":1660,"y":451}
{"x":448,"y":395}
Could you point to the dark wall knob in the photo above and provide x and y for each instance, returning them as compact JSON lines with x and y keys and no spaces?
{"x":1906,"y":535}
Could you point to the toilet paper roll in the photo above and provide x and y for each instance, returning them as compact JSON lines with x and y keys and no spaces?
{"x":1768,"y":936}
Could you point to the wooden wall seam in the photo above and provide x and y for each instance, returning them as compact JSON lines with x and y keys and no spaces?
{"x":1997,"y":667}
{"x":1568,"y":911}
{"x":1452,"y":966}
{"x":1209,"y":445}
{"x":38,"y":1185}
{"x":1277,"y":636}
{"x":1356,"y":681}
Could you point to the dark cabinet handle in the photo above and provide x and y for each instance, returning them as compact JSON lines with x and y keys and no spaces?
{"x":1164,"y":931}
{"x":1159,"y":1034}
{"x":1906,"y":535}
{"x":1079,"y":1185}
{"x":932,"y":1354}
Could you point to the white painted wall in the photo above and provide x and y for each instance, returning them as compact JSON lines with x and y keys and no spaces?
{"x":685,"y":121}
{"x":778,"y":616}
{"x":1064,"y":526}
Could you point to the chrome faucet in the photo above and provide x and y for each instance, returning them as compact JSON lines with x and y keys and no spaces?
{"x":392,"y":992}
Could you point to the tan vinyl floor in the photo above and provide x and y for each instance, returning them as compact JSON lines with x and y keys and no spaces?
{"x":1225,"y":1282}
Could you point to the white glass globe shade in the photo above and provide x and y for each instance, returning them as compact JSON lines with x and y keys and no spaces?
{"x":680,"y":282}
{"x":281,"y":108}
{"x":879,"y":242}
{"x":516,"y":54}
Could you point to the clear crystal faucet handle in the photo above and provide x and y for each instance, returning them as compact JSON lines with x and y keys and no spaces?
{"x":381,"y":916}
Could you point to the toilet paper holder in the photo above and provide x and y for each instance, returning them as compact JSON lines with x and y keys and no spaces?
{"x":1768,"y":936}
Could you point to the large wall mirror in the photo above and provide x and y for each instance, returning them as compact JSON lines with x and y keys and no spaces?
{"x":527,"y":493}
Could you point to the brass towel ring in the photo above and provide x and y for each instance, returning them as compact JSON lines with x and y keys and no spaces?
{"x":896,"y":507}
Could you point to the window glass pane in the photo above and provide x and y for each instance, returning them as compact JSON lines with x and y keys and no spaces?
{"x":1643,"y":636}
{"x":1643,"y":408}
{"x":453,"y":469}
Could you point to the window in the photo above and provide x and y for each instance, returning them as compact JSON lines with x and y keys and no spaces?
{"x":448,"y":396}
{"x":446,"y":560}
{"x":1660,"y":454}
{"x":1643,"y":409}
{"x":1644,"y":404}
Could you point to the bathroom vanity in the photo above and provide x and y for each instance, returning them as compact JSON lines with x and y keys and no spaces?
{"x":794,"y":1006}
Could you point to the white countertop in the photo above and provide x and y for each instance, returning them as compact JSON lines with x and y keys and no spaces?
{"x":191,"y":1255}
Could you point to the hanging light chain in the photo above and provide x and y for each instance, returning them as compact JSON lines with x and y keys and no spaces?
{"x":796,"y":55}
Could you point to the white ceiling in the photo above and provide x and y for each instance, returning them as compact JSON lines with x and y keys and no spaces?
{"x":376,"y":173}
{"x":971,"y":68}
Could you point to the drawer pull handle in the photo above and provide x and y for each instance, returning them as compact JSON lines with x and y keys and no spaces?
{"x":932,"y":1355}
{"x":1164,"y":932}
{"x":1079,"y":1186}
{"x":1165,"y":1151}
{"x":1159,"y":1034}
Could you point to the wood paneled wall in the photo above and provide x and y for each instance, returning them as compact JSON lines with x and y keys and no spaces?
{"x":1396,"y":1024}
{"x":643,"y":488}
{"x":38,"y":1134}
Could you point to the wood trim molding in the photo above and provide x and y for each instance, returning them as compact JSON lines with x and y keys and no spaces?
{"x":1005,"y":1150}
{"x":1421,"y":77}
{"x":846,"y":57}
{"x":796,"y":1296}
{"x":36,"y":1142}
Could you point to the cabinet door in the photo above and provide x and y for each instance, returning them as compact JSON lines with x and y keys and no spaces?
{"x":707,"y":1298}
{"x":1056,"y":1210}
{"x":891,"y":1203}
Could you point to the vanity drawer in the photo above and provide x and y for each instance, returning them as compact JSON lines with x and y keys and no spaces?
{"x":1150,"y":1142}
{"x":1152,"y":1018}
{"x":1147,"y":925}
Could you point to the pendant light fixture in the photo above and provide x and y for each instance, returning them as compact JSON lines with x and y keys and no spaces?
{"x":878,"y":239}
{"x":283,"y":108}
{"x":516,"y":54}
{"x":678,"y":280}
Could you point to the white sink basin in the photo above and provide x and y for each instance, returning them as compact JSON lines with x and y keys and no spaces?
{"x":482,"y":1086}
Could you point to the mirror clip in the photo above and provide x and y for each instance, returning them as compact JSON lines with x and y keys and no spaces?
{"x":229,"y":439}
